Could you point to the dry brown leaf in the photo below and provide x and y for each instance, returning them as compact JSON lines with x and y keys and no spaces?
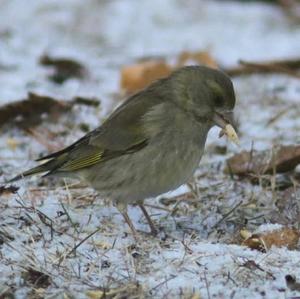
{"x":36,"y":278}
{"x":201,"y":57}
{"x":31,"y":111}
{"x":283,"y":237}
{"x":292,"y":283}
{"x":281,"y":159}
{"x":64,"y":68}
{"x":8,"y":190}
{"x":36,"y":108}
{"x":136,"y":77}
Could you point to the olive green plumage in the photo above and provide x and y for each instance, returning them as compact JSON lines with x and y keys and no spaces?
{"x":153,"y":142}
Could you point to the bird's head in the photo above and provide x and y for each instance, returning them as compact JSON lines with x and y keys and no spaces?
{"x":206,"y":93}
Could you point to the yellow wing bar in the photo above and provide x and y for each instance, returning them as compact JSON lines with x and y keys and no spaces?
{"x":82,"y":162}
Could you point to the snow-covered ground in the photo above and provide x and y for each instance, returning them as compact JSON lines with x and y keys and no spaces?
{"x":196,"y":255}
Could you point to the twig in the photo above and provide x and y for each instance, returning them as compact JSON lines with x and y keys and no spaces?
{"x":279,"y":114}
{"x":69,"y":218}
{"x":43,"y":218}
{"x":162,"y":283}
{"x":86,"y":101}
{"x":288,"y":66}
{"x":207,"y":286}
{"x":81,"y":242}
{"x":227,"y":214}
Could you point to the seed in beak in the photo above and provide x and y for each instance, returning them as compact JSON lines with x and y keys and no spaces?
{"x":230,"y":132}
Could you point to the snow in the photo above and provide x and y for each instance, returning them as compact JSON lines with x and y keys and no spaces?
{"x":269,"y":227}
{"x":196,"y":251}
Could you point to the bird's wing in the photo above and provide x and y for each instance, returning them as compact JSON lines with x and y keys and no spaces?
{"x":120,"y":134}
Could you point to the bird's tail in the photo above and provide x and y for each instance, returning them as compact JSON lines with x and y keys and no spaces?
{"x":47,"y":168}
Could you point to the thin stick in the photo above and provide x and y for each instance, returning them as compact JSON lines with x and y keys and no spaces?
{"x":81,"y":242}
{"x":227,"y":214}
{"x":288,"y":67}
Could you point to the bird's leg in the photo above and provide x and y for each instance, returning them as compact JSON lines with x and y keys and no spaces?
{"x":130,"y":224}
{"x":150,"y":222}
{"x":123,"y":210}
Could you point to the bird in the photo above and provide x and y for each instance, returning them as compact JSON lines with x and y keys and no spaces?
{"x":152,"y":143}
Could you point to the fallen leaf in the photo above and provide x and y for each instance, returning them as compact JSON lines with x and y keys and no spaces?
{"x":64,"y":68}
{"x":201,"y":57}
{"x":136,"y":77}
{"x":8,"y":190}
{"x":36,"y":278}
{"x":31,"y":111}
{"x":36,"y":108}
{"x":291,"y":283}
{"x":283,"y":237}
{"x":277,"y":160}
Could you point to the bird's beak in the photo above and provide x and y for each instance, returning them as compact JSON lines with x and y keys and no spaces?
{"x":225,"y":122}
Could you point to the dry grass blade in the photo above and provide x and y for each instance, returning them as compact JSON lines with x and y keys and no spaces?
{"x":73,"y":250}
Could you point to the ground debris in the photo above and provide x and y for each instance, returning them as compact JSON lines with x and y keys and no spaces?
{"x":6,"y":292}
{"x":31,"y":111}
{"x":292,"y":283}
{"x":64,"y":68}
{"x":93,"y":102}
{"x":36,"y":278}
{"x":291,"y":8}
{"x":129,"y":291}
{"x":289,"y":67}
{"x":8,"y":190}
{"x":136,"y":77}
{"x":288,"y":208}
{"x":279,"y":159}
{"x":198,"y":57}
{"x":280,"y":237}
{"x":37,"y":108}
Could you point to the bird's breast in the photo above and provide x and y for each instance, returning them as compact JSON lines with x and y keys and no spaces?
{"x":174,"y":162}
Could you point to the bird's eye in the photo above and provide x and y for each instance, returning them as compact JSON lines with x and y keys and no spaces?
{"x":219,"y":101}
